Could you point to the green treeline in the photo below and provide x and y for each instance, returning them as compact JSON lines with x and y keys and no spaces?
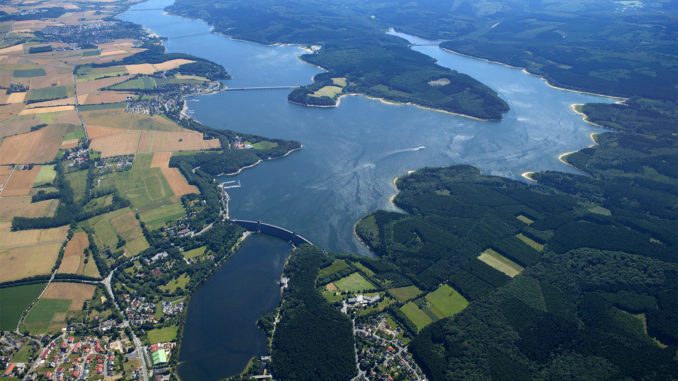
{"x":312,"y":340}
{"x":353,"y":47}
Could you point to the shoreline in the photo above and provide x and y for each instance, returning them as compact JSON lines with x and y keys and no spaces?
{"x":528,"y":176}
{"x":524,"y":70}
{"x":259,"y":162}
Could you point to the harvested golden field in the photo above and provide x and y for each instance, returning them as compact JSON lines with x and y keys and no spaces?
{"x":10,"y":239}
{"x":16,"y":49}
{"x":125,"y":143}
{"x":161,"y":159}
{"x":67,"y":144}
{"x":173,"y":176}
{"x":5,"y":170}
{"x":70,"y":101}
{"x":16,"y":97}
{"x":73,"y":261}
{"x":104,"y":97}
{"x":152,"y":68}
{"x":89,"y":87}
{"x":34,"y":147}
{"x":118,"y":118}
{"x":23,"y":262}
{"x":23,"y":207}
{"x":186,"y":140}
{"x":77,"y":293}
{"x":45,"y":110}
{"x":20,"y":182}
{"x":95,"y":132}
{"x":62,"y":76}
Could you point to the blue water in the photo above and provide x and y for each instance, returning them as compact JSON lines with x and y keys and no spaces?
{"x":352,"y":153}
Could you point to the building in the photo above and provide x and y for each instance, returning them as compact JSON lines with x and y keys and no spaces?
{"x":158,"y":356}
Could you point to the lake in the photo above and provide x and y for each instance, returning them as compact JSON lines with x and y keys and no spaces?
{"x":351,"y":153}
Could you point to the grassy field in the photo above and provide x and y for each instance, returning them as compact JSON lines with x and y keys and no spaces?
{"x":24,"y":354}
{"x":336,"y":266}
{"x":156,"y":217}
{"x":45,"y":176}
{"x":162,"y":335}
{"x":27,"y":73}
{"x":446,"y":301}
{"x":14,"y":300}
{"x":195,"y":252}
{"x":176,"y":283}
{"x":46,"y":311}
{"x":501,"y":263}
{"x":88,"y":73}
{"x":118,"y":118}
{"x":403,"y":294}
{"x":265,"y":145}
{"x":331,"y":297}
{"x":78,"y":181}
{"x":524,"y":219}
{"x":327,"y":91}
{"x":354,"y":283}
{"x":341,"y":81}
{"x":142,"y":83}
{"x":79,"y":133}
{"x":416,"y":315}
{"x":362,"y":268}
{"x":48,"y":93}
{"x":530,"y":242}
{"x":142,"y":185}
{"x":108,"y":226}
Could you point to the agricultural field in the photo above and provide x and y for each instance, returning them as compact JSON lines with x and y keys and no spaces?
{"x":153,"y":68}
{"x":174,"y":178}
{"x":142,"y":185}
{"x":446,"y":301}
{"x":14,"y":300}
{"x":34,"y":147}
{"x":530,"y":242}
{"x":76,"y":293}
{"x":327,"y":91}
{"x":183,"y":140}
{"x":73,"y":261}
{"x":23,"y":207}
{"x":524,"y":219}
{"x":10,"y":239}
{"x":403,"y":294}
{"x":118,"y":118}
{"x":157,"y":217}
{"x":362,"y":268}
{"x":29,"y":73}
{"x":501,"y":263}
{"x":46,"y":175}
{"x":162,"y":335}
{"x":336,"y":266}
{"x":88,"y":73}
{"x":121,"y":222}
{"x":416,"y":315}
{"x":47,"y":315}
{"x":20,"y":182}
{"x":49,"y":93}
{"x":26,"y":261}
{"x":354,"y":283}
{"x":141,"y":83}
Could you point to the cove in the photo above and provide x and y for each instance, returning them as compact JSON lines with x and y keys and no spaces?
{"x":220,"y":335}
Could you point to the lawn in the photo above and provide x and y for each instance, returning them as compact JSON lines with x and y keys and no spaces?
{"x":44,"y":312}
{"x":49,"y":93}
{"x":416,"y":315}
{"x":354,"y":283}
{"x":446,"y":301}
{"x":530,"y":242}
{"x":327,"y":91}
{"x":162,"y":335}
{"x":404,"y":294}
{"x":501,"y":263}
{"x":195,"y":252}
{"x":45,"y":176}
{"x":265,"y":145}
{"x":14,"y":300}
{"x":331,"y":297}
{"x":336,"y":266}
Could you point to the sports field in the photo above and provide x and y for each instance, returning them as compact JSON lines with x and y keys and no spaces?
{"x":446,"y":301}
{"x":354,"y":283}
{"x":501,"y":263}
{"x":416,"y":315}
{"x":403,"y":294}
{"x":14,"y":300}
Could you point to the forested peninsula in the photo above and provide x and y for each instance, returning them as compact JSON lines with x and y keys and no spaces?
{"x":358,"y":56}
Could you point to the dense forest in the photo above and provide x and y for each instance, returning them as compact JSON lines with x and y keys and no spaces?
{"x":353,"y":48}
{"x":312,"y":340}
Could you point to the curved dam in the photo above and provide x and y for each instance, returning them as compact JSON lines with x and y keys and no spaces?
{"x":276,"y":231}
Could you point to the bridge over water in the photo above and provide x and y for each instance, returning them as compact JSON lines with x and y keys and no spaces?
{"x":276,"y":231}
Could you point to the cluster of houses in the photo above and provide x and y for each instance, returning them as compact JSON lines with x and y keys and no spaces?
{"x":77,"y":157}
{"x":114,"y":164}
{"x":362,"y":300}
{"x":238,"y":143}
{"x":138,"y":310}
{"x":160,"y":353}
{"x":181,"y":227}
{"x":91,"y":357}
{"x":172,"y":308}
